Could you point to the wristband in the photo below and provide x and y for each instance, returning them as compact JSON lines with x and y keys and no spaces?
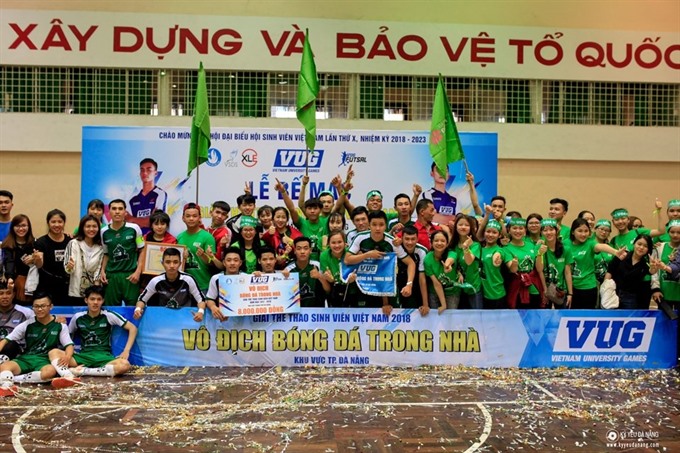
{"x":201,"y":310}
{"x":139,"y":308}
{"x":409,"y":283}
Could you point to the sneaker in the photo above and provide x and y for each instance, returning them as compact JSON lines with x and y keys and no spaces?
{"x":62,"y":382}
{"x":8,"y":391}
{"x":77,"y":371}
{"x":3,"y":358}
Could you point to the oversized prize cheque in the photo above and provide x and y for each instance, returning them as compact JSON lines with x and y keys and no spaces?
{"x":248,"y":295}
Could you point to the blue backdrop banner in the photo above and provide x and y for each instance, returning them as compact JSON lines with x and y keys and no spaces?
{"x":390,"y":161}
{"x":342,"y":337}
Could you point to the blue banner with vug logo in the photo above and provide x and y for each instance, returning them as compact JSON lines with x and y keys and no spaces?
{"x":374,"y":276}
{"x":389,"y":161}
{"x":363,"y":336}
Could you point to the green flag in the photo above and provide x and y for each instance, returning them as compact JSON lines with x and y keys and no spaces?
{"x":200,"y":125}
{"x":445,"y":144}
{"x":308,"y":90}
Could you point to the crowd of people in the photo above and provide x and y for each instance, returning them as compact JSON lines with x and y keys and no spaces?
{"x":493,"y":259}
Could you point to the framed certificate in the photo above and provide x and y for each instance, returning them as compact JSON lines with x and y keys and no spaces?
{"x":152,"y":257}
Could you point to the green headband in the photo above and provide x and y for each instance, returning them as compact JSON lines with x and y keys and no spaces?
{"x":517,"y":221}
{"x":325,"y":192}
{"x":373,"y":193}
{"x":674,"y":203}
{"x":248,"y":221}
{"x":671,"y":224}
{"x":494,"y":225}
{"x":603,"y":223}
{"x":619,"y":213}
{"x":549,"y":223}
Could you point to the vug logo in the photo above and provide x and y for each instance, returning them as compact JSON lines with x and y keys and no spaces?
{"x":604,"y":335}
{"x":368,"y":268}
{"x":296,"y":158}
{"x":260,"y":279}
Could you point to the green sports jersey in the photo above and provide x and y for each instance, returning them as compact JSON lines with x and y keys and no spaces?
{"x":121,"y":246}
{"x":434,"y":267}
{"x":194,"y":265}
{"x":626,"y":240}
{"x":669,"y":288}
{"x":493,"y":284}
{"x":526,"y":258}
{"x":40,"y":338}
{"x":470,"y":273}
{"x":553,"y":267}
{"x":95,"y":333}
{"x":363,"y":242}
{"x":393,"y":222}
{"x":583,"y":269}
{"x":315,"y":232}
{"x":311,"y":290}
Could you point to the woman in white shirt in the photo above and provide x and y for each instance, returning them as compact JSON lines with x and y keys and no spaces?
{"x":83,"y":258}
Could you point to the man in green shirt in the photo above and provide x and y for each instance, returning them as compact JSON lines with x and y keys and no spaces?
{"x":95,"y":328}
{"x":626,"y":236}
{"x":558,"y":209}
{"x":200,"y":246}
{"x":313,"y":285}
{"x":41,"y":334}
{"x":374,"y":244}
{"x":312,"y":225}
{"x":121,"y":266}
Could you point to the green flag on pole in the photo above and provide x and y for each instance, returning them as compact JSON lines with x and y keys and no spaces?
{"x":445,"y":144}
{"x":308,"y":90}
{"x":200,"y":125}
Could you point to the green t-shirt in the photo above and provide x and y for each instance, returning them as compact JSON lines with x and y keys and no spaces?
{"x":315,"y":232}
{"x":493,"y":284}
{"x":626,"y":240}
{"x":121,"y":246}
{"x":526,"y":258}
{"x":250,"y":258}
{"x":194,"y":265}
{"x":436,"y":268}
{"x":553,"y":267}
{"x":95,"y":333}
{"x":565,"y":233}
{"x":669,"y":288}
{"x":583,"y":269}
{"x":602,"y":261}
{"x":40,"y":338}
{"x":472,"y":281}
{"x":331,"y":263}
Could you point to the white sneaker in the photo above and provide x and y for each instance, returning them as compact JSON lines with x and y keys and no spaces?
{"x":77,"y":371}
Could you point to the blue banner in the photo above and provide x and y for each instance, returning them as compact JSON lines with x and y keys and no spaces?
{"x":256,"y":156}
{"x":359,"y":337}
{"x":374,"y":276}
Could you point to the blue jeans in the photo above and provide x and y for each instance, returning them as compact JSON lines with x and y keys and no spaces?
{"x":627,"y":301}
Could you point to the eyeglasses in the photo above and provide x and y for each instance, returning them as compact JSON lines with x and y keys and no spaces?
{"x":41,"y":306}
{"x":22,"y":226}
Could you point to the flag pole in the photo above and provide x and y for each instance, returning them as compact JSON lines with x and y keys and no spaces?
{"x":198,"y":171}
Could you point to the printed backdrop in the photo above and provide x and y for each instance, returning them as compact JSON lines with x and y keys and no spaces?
{"x":391,"y":161}
{"x":360,"y":337}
